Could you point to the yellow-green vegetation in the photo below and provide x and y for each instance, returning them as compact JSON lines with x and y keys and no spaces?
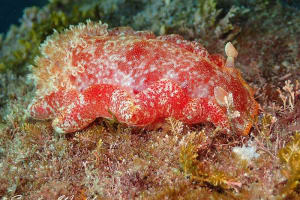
{"x":198,"y":172}
{"x":290,"y":157}
{"x":109,"y":160}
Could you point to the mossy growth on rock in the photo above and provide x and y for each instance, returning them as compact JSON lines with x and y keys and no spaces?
{"x":108,"y":160}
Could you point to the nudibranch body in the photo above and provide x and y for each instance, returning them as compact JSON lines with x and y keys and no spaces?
{"x":89,"y":71}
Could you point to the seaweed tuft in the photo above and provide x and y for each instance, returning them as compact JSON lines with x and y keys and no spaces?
{"x":290,"y":157}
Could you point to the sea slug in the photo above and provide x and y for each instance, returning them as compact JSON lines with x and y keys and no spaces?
{"x":90,"y":71}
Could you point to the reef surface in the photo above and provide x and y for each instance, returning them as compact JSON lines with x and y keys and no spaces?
{"x":110,"y":160}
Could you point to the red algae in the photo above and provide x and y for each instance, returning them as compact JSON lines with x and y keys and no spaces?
{"x":89,"y":71}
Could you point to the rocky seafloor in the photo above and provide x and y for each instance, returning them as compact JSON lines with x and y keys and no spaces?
{"x":109,"y":160}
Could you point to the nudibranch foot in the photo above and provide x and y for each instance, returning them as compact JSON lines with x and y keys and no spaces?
{"x":162,"y":99}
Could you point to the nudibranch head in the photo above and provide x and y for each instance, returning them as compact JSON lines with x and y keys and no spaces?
{"x":238,"y":102}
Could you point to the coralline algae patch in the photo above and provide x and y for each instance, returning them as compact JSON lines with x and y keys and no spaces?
{"x":89,"y":71}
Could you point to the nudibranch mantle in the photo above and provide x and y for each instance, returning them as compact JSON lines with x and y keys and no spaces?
{"x":90,"y":71}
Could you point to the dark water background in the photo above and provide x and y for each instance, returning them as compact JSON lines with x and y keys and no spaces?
{"x":12,"y":10}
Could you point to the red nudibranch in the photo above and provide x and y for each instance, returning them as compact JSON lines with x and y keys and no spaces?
{"x":89,"y":71}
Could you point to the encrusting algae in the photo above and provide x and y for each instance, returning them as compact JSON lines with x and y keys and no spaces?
{"x":112,"y":160}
